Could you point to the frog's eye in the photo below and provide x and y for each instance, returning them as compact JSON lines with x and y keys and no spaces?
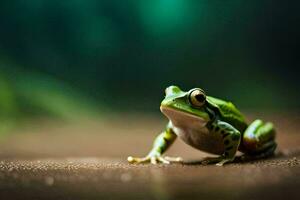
{"x":197,"y":97}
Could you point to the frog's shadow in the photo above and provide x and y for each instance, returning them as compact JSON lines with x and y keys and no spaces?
{"x":242,"y":159}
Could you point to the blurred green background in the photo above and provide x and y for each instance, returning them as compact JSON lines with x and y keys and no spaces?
{"x":65,"y":59}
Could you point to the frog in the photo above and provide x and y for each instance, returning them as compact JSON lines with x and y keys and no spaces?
{"x":211,"y":125}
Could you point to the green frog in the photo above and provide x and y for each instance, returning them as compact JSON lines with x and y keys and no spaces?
{"x":211,"y":125}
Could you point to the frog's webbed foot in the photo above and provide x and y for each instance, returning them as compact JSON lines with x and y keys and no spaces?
{"x":225,"y":160}
{"x":219,"y":161}
{"x":154,"y":159}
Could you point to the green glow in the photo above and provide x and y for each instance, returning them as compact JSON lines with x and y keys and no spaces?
{"x":165,"y":16}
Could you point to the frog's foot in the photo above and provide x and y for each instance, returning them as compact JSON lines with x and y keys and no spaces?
{"x":265,"y":151}
{"x":174,"y":159}
{"x":219,"y":161}
{"x":154,"y":159}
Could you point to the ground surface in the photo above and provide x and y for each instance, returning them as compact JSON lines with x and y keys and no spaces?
{"x":88,"y":161}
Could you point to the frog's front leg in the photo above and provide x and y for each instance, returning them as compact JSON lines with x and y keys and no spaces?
{"x":231,"y":140}
{"x":162,"y":142}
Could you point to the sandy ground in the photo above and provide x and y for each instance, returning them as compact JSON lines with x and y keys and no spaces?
{"x":50,"y":160}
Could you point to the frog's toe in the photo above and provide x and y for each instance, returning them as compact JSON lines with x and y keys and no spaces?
{"x":156,"y":160}
{"x":222,"y":162}
{"x":153,"y":160}
{"x":173,"y":159}
{"x":164,"y":160}
{"x":219,"y":161}
{"x":131,"y":159}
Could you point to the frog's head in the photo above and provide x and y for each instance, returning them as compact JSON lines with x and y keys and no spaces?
{"x":185,"y":107}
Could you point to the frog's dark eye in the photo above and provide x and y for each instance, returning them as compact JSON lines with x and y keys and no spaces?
{"x":197,"y":97}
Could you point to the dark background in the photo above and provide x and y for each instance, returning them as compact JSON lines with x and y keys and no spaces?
{"x":81,"y":82}
{"x":61,"y":58}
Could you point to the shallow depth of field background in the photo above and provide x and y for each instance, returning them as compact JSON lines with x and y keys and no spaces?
{"x":69,"y":60}
{"x":81,"y":82}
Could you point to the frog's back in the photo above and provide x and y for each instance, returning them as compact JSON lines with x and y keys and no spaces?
{"x":228,"y":113}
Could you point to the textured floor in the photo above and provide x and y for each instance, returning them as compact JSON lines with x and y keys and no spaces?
{"x":88,"y":161}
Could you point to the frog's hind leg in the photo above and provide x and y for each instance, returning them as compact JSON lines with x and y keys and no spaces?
{"x":259,"y":140}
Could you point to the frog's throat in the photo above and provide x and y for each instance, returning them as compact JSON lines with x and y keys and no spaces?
{"x":182,"y":118}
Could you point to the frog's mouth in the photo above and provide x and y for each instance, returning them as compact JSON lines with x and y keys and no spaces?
{"x":182,"y":118}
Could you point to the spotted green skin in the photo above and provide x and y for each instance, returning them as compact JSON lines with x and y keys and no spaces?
{"x":221,"y":120}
